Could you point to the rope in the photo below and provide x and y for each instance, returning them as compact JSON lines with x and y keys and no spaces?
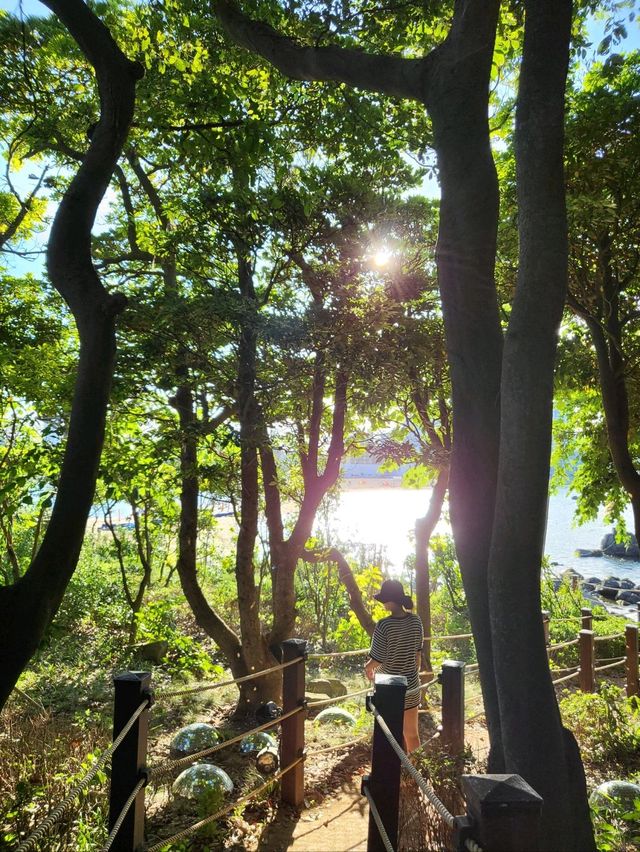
{"x":443,"y":638}
{"x":123,"y":813}
{"x":326,"y":701}
{"x":563,"y":645}
{"x":607,"y":638}
{"x":348,"y":744}
{"x":566,"y":669}
{"x":338,"y":654}
{"x":474,"y":717}
{"x":610,"y":665}
{"x":471,"y":846}
{"x":378,"y":821}
{"x":566,"y":677}
{"x":64,"y":805}
{"x":227,"y":809}
{"x":157,"y":772}
{"x":207,"y":686}
{"x":413,"y":772}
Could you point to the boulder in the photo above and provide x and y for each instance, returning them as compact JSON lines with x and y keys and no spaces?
{"x":569,"y":573}
{"x":330,"y":686}
{"x":595,"y":580}
{"x":608,"y":592}
{"x":627,"y":549}
{"x":315,"y":696}
{"x":335,"y":716}
{"x":581,"y":551}
{"x":611,"y":582}
{"x":197,"y":781}
{"x":627,"y":584}
{"x":155,"y":652}
{"x":193,"y":738}
{"x":627,"y":596}
{"x":587,"y":587}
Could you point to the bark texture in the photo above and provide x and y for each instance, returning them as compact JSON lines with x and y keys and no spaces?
{"x":534,"y":742}
{"x":28,"y":606}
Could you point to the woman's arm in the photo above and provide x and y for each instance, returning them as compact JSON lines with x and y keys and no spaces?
{"x":371,"y":667}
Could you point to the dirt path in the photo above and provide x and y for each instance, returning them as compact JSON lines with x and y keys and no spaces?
{"x":338,"y":824}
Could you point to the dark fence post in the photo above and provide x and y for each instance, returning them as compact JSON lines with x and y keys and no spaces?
{"x":292,"y":734}
{"x":586,"y":615}
{"x":503,"y":814}
{"x":129,"y":759}
{"x":384,"y":781}
{"x":587,"y":674}
{"x":452,"y":679}
{"x":631,"y":639}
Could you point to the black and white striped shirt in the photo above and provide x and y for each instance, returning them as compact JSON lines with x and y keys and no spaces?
{"x":395,"y":643}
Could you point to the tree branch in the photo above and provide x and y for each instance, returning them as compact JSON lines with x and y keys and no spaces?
{"x":384,"y":73}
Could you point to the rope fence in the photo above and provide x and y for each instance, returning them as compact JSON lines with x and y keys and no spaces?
{"x":186,"y":832}
{"x":292,"y":753}
{"x":60,"y":810}
{"x":448,"y":817}
{"x":373,"y":810}
{"x":207,"y":687}
{"x":165,"y":769}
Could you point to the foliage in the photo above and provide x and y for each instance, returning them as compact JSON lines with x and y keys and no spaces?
{"x":348,"y":634}
{"x":605,"y":723}
{"x":186,"y":656}
{"x":616,"y":832}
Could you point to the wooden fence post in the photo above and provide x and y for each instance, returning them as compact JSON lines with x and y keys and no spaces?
{"x":292,"y":735}
{"x":546,"y":625}
{"x":384,"y":781}
{"x":587,"y":674}
{"x":586,"y":616}
{"x":503,"y":814}
{"x":452,"y":680}
{"x":631,"y":639}
{"x":129,"y":759}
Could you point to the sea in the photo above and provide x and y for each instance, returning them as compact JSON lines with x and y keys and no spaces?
{"x":383,"y":518}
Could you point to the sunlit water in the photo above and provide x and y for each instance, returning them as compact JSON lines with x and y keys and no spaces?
{"x":385,"y":517}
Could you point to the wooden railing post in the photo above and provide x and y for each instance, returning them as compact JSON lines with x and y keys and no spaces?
{"x":452,"y":680}
{"x":586,"y":616}
{"x":292,"y":735}
{"x":129,"y":759}
{"x":546,"y":626}
{"x":587,"y":674}
{"x":631,"y":639}
{"x":384,"y":781}
{"x":503,"y":814}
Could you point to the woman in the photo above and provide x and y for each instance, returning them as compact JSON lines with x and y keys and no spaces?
{"x":395,"y":649}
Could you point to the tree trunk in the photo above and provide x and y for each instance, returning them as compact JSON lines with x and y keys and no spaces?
{"x":534,"y":743}
{"x":28,"y":607}
{"x":345,"y":574}
{"x":424,"y":530}
{"x":457,"y":101}
{"x":615,"y":402}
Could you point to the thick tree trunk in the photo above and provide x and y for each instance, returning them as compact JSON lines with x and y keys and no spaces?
{"x":28,"y":607}
{"x":457,"y":102}
{"x":424,"y":530}
{"x":534,"y":743}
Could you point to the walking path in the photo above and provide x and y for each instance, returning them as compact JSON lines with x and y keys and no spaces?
{"x":338,"y":824}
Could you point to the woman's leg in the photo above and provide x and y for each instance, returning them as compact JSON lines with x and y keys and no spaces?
{"x":410,"y":730}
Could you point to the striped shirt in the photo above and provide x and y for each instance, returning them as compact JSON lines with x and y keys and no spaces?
{"x":395,"y":643}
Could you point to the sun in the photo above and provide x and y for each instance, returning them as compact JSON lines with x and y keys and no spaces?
{"x":381,"y":257}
